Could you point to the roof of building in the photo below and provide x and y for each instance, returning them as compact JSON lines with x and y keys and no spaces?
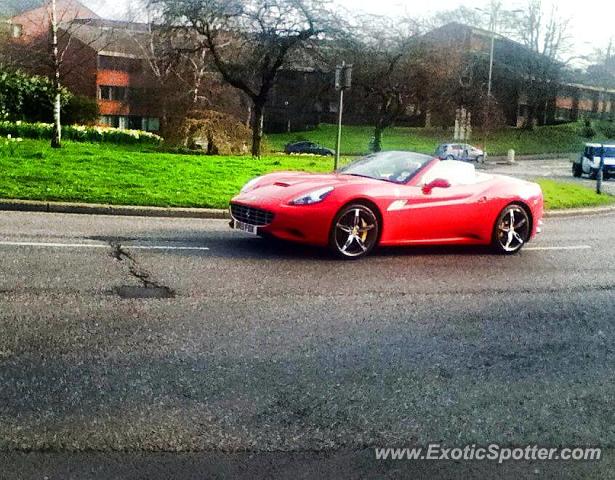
{"x":125,"y":39}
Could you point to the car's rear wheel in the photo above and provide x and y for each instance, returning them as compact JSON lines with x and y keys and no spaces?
{"x":480,"y":159}
{"x":450,"y":157}
{"x":577,"y":170}
{"x":354,"y":232}
{"x":511,"y":230}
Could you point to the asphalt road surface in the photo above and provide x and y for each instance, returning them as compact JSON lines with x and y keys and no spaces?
{"x":124,"y":340}
{"x":559,"y":169}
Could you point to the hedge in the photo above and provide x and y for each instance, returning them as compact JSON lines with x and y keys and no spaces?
{"x":79,"y":133}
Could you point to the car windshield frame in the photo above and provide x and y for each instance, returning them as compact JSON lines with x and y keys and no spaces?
{"x":386,"y":158}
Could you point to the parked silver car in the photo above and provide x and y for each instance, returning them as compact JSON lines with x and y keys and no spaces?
{"x":460,"y":151}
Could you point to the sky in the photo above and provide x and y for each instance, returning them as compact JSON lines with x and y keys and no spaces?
{"x":591,"y":21}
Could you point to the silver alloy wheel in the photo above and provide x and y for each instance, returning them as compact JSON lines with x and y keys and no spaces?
{"x":356,"y":231}
{"x":513,"y":228}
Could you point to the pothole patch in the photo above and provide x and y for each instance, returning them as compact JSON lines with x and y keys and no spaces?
{"x":144,"y":292}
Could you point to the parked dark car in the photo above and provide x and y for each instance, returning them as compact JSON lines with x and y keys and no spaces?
{"x":307,"y":147}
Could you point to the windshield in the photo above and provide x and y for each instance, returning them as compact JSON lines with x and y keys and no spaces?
{"x":397,"y":167}
{"x":608,"y":151}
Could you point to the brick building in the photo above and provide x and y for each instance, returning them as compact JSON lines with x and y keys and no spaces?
{"x":102,"y":59}
{"x":569,"y":100}
{"x":113,"y":69}
{"x":32,"y":26}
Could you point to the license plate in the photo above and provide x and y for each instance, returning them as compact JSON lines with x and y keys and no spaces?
{"x":245,"y":227}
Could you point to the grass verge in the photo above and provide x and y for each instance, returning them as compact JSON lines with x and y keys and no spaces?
{"x":560,"y":195}
{"x":133,"y":175}
{"x":549,"y":139}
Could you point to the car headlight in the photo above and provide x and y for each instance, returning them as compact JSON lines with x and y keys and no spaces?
{"x":250,"y":184}
{"x":312,"y":197}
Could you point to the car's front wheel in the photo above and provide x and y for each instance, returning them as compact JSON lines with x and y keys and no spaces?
{"x":511,"y":230}
{"x":354,"y":232}
{"x":577,"y":170}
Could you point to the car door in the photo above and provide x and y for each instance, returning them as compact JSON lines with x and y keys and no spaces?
{"x":587,"y":159}
{"x":444,"y":213}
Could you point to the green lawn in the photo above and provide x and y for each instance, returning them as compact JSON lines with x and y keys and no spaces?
{"x":559,"y":195}
{"x":550,"y":139}
{"x":133,"y":175}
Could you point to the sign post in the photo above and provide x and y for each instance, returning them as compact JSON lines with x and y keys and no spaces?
{"x":343,"y":81}
{"x":600,"y":173}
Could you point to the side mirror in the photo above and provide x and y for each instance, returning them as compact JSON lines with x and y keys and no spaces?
{"x":435,"y":183}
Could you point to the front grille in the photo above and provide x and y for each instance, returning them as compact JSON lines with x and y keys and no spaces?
{"x":251,"y":215}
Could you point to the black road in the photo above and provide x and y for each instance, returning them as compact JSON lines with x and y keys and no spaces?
{"x":124,"y":336}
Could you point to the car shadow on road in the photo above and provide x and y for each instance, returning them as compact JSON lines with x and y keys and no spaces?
{"x":231,"y":246}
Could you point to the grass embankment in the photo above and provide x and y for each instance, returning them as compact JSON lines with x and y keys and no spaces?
{"x":550,"y":139}
{"x":560,"y":195}
{"x":138,"y":175}
{"x":133,"y":175}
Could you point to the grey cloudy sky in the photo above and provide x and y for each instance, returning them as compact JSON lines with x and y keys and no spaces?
{"x":592,"y":21}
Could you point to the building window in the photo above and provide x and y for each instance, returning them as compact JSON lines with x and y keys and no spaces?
{"x":16,"y":30}
{"x":150,"y":124}
{"x":121,"y":64}
{"x":110,"y":121}
{"x":563,"y":114}
{"x":108,"y":92}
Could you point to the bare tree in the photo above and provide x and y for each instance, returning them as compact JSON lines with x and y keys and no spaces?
{"x":394,"y":71}
{"x":55,"y":52}
{"x":250,"y":41}
{"x":546,"y":37}
{"x":56,"y":135}
{"x":381,"y":52}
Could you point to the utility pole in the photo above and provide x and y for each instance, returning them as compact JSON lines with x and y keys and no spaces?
{"x":343,"y":81}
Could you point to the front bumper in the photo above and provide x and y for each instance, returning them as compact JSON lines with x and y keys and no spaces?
{"x":298,"y":223}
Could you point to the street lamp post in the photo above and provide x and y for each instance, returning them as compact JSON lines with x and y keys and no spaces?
{"x":492,"y":26}
{"x":343,"y":81}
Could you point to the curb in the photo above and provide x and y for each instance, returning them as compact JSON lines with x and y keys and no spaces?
{"x":576,"y":212}
{"x":103,"y":209}
{"x":206,"y":213}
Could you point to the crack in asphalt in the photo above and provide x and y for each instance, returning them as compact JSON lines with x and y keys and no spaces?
{"x":151,"y":286}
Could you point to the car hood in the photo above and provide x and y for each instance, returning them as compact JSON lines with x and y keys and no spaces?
{"x":289,"y":185}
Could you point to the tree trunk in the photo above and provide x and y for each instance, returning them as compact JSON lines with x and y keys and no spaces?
{"x":56,"y":134}
{"x":377,"y":147}
{"x":257,"y":127}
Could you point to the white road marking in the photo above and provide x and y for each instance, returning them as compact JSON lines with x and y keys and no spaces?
{"x":162,"y":247}
{"x":97,"y":245}
{"x":569,"y":247}
{"x":54,"y":245}
{"x":179,"y":247}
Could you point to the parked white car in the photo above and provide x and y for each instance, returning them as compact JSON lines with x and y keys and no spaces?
{"x":460,"y":151}
{"x":589,"y":161}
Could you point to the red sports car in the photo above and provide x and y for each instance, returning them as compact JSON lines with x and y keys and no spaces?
{"x":391,"y":198}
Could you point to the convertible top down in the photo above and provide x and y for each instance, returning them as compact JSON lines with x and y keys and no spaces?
{"x":392,"y":198}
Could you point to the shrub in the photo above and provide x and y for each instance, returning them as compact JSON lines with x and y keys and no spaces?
{"x":27,"y":97}
{"x":608,"y":130}
{"x":79,"y":133}
{"x":80,"y":110}
{"x":212,"y":132}
{"x":588,"y":131}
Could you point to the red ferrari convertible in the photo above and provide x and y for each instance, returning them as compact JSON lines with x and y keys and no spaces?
{"x":391,"y":198}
